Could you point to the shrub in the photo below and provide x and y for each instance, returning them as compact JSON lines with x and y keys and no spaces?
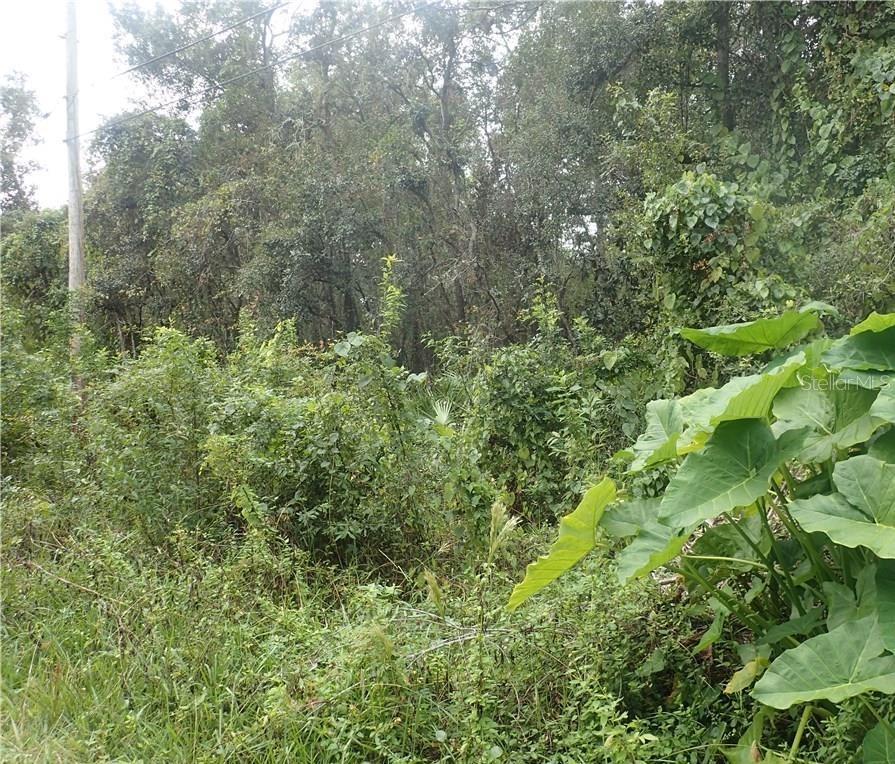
{"x":778,"y":513}
{"x":333,"y":448}
{"x":146,"y":425}
{"x":547,"y":414}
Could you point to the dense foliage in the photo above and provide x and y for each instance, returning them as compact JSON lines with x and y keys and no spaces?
{"x":363,"y":323}
{"x":781,"y":513}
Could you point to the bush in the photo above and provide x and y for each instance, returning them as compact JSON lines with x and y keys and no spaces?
{"x":778,"y":513}
{"x":336,"y":452}
{"x":145,"y":427}
{"x":548,"y":414}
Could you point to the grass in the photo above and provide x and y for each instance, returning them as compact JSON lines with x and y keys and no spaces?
{"x":243,"y":650}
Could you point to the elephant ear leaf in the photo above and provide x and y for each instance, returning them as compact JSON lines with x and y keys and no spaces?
{"x":862,"y":513}
{"x":577,"y":537}
{"x":885,"y":601}
{"x":755,"y":336}
{"x":875,"y":322}
{"x":658,"y":443}
{"x":879,"y":744}
{"x":733,"y":471}
{"x":654,"y":546}
{"x":865,"y":351}
{"x":840,"y":664}
{"x":868,"y":484}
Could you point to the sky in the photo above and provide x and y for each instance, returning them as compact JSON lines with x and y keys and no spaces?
{"x":31,"y":42}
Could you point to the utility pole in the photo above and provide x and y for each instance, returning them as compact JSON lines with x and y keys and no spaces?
{"x":76,"y":268}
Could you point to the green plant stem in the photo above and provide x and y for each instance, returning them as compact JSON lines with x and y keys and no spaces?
{"x":761,"y":555}
{"x":870,"y":708}
{"x":798,"y":533}
{"x":803,"y":722}
{"x":788,"y":583}
{"x":745,"y":614}
{"x":717,"y":558}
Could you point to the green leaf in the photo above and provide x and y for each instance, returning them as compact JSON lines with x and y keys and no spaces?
{"x":658,"y":443}
{"x":576,"y":538}
{"x":838,"y":415}
{"x":843,"y":606}
{"x":712,"y":633}
{"x":817,"y":306}
{"x":805,"y":406}
{"x":883,"y":409}
{"x":654,"y":546}
{"x":879,"y":744}
{"x":883,"y":448}
{"x":625,"y":520}
{"x":885,"y":601}
{"x":843,"y":523}
{"x":747,"y":675}
{"x":755,"y":336}
{"x":861,"y":513}
{"x":869,"y":485}
{"x":733,"y":471}
{"x":872,"y":380}
{"x":875,"y":322}
{"x":747,"y":397}
{"x":840,"y":664}
{"x":864,"y":351}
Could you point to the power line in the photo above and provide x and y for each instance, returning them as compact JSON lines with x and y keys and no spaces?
{"x":237,"y":78}
{"x":95,"y":83}
{"x":203,"y":39}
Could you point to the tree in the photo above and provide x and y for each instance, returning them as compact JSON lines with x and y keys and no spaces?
{"x":18,"y":116}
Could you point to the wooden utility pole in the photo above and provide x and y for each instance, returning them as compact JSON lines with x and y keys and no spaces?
{"x":76,"y":269}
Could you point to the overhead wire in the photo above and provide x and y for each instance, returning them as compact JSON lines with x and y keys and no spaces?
{"x":279,"y":62}
{"x":207,"y":37}
{"x":136,"y":67}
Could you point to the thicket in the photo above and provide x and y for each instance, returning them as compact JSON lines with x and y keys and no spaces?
{"x":359,"y":333}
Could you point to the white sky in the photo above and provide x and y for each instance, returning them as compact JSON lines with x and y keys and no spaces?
{"x":31,"y":42}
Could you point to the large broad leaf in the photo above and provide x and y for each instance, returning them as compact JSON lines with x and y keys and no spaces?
{"x":843,"y":606}
{"x":839,"y":416}
{"x":868,"y":350}
{"x":879,"y":744}
{"x":869,"y":485}
{"x":885,"y":601}
{"x":755,"y":336}
{"x":576,"y":538}
{"x":655,"y":546}
{"x":843,"y":523}
{"x":872,"y":380}
{"x":624,"y":520}
{"x":875,"y":322}
{"x":840,"y":664}
{"x":861,"y":513}
{"x":883,"y":409}
{"x":800,"y":406}
{"x":883,"y":447}
{"x":747,"y":397}
{"x":658,"y":443}
{"x":733,"y":471}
